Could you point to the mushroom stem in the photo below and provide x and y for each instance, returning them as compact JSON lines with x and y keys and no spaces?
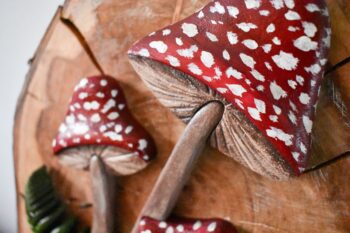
{"x":103,"y":193}
{"x":181,"y":162}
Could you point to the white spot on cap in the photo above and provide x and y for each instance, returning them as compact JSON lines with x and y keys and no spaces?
{"x":143,"y":52}
{"x":162,"y":224}
{"x":232,"y":37}
{"x":312,"y":7}
{"x":285,"y":61}
{"x":310,"y":29}
{"x":118,"y":128}
{"x":189,"y":29}
{"x":63,"y":128}
{"x":236,"y":89}
{"x":83,"y":95}
{"x":270,"y":28}
{"x":180,"y":228}
{"x":113,"y":116}
{"x":289,"y":3}
{"x":304,"y":98}
{"x":293,"y":29}
{"x":114,"y":136}
{"x":300,"y":80}
{"x":212,"y":227}
{"x":307,"y":124}
{"x":103,"y":82}
{"x":273,"y":118}
{"x":114,"y":93}
{"x":197,"y":225}
{"x":121,"y":106}
{"x":188,"y":53}
{"x":142,"y":222}
{"x":313,"y":69}
{"x":252,"y":4}
{"x":110,"y":104}
{"x":166,"y":32}
{"x":250,"y":44}
{"x":142,"y":144}
{"x":233,"y":11}
{"x":80,"y":128}
{"x":226,"y":55}
{"x":160,"y":46}
{"x":179,"y":41}
{"x":264,"y":12}
{"x":230,"y":72}
{"x":246,"y":27}
{"x":277,"y":4}
{"x":100,"y":95}
{"x":200,"y":15}
{"x":292,"y":15}
{"x":247,"y":60}
{"x":268,"y":66}
{"x":305,"y":44}
{"x":94,"y":105}
{"x":217,"y":8}
{"x":280,"y":135}
{"x":303,"y":148}
{"x":260,"y":105}
{"x":195,"y":69}
{"x":170,"y":229}
{"x":207,"y":59}
{"x":254,"y":113}
{"x":128,"y":129}
{"x":95,"y":118}
{"x":211,"y":37}
{"x":257,"y":75}
{"x":278,"y":111}
{"x":296,"y":156}
{"x":267,"y":48}
{"x":292,"y":117}
{"x":276,"y":41}
{"x":277,"y":91}
{"x":292,"y":84}
{"x":173,"y":61}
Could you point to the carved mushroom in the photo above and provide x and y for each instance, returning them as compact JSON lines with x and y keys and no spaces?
{"x":99,"y":133}
{"x":264,"y":60}
{"x":181,"y":225}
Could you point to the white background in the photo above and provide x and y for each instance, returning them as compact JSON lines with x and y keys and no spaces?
{"x":22,"y":24}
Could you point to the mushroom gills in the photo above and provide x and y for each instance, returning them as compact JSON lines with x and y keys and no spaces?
{"x":235,"y":135}
{"x":118,"y":160}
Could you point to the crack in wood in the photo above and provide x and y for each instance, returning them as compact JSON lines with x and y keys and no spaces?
{"x":75,"y":30}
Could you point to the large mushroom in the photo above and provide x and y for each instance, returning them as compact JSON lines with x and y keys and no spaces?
{"x":264,"y":60}
{"x":100,"y":134}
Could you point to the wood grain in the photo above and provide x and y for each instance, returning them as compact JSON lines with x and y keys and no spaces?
{"x":315,"y":202}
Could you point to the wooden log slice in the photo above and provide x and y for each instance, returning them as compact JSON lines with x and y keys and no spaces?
{"x":219,"y":187}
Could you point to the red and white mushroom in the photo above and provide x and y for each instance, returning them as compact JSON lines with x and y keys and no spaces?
{"x":264,"y":60}
{"x":181,"y":225}
{"x":99,"y":133}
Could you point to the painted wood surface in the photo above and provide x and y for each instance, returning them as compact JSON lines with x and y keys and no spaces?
{"x":315,"y":202}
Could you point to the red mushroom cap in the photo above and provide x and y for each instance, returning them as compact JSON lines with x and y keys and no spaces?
{"x":182,"y":225}
{"x":267,"y":58}
{"x":98,"y":115}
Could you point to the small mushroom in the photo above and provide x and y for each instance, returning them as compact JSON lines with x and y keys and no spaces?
{"x":182,"y":225}
{"x":264,"y":60}
{"x":100,"y":134}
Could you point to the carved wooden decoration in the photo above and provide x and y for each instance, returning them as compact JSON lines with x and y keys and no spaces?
{"x":220,"y":188}
{"x":98,"y":123}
